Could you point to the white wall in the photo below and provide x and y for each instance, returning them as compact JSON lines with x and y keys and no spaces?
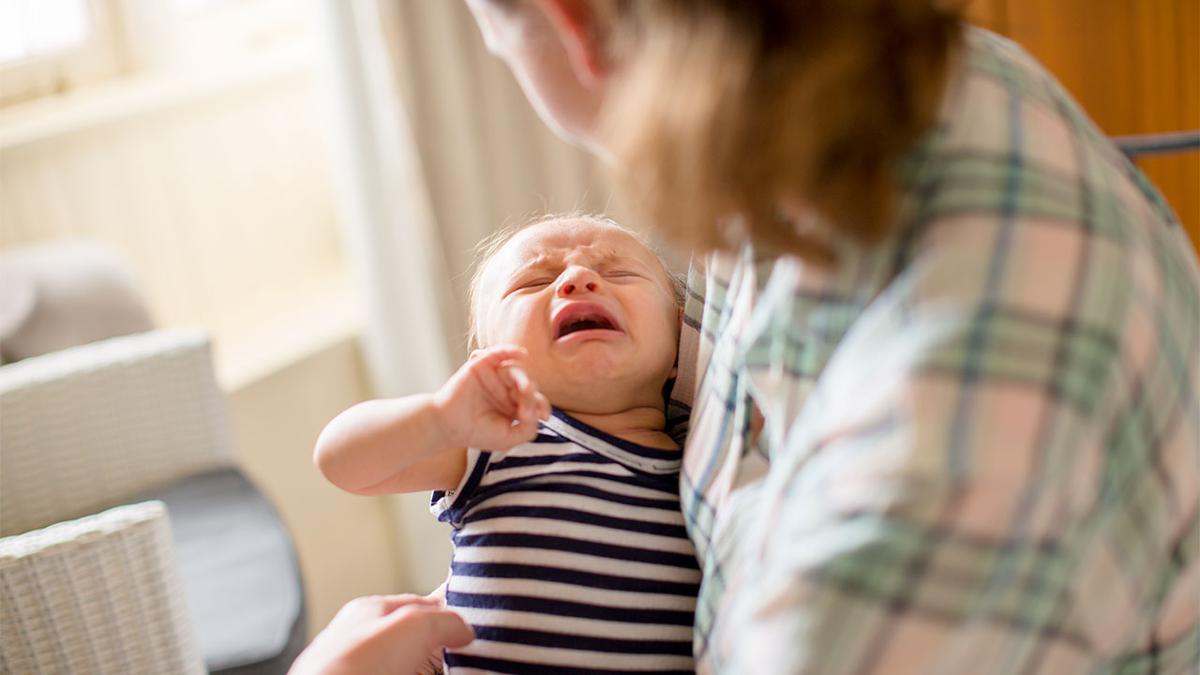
{"x":216,"y":190}
{"x":218,"y":193}
{"x":347,"y":544}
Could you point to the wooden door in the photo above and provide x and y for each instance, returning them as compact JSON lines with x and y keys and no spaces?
{"x":1134,"y":66}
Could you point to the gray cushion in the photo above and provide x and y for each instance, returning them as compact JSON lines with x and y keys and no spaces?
{"x":239,"y":571}
{"x":60,"y":294}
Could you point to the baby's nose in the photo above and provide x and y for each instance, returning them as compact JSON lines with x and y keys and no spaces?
{"x":575,"y":280}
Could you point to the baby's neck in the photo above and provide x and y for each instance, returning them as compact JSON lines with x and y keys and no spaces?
{"x":643,"y":425}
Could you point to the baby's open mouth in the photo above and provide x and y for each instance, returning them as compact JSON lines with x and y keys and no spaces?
{"x":581,"y":317}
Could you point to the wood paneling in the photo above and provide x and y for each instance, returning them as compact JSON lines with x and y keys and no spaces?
{"x":1134,"y":65}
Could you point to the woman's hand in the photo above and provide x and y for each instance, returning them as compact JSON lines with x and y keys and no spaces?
{"x":383,"y":634}
{"x":491,"y":403}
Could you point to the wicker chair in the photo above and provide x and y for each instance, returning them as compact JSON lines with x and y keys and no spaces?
{"x":136,"y":420}
{"x":96,"y":595}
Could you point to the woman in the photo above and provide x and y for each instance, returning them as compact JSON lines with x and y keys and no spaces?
{"x":944,"y":345}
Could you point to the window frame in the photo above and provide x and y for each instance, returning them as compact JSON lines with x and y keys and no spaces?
{"x":100,"y":56}
{"x":135,"y":37}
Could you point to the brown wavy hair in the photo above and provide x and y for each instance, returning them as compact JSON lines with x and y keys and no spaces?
{"x":730,"y":117}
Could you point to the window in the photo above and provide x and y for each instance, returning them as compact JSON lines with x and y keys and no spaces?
{"x":29,"y":29}
{"x":53,"y":46}
{"x":49,"y":46}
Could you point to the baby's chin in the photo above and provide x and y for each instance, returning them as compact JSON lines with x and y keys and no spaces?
{"x":601,"y":387}
{"x":594,"y":364}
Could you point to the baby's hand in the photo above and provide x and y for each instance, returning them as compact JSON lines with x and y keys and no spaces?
{"x":491,"y":403}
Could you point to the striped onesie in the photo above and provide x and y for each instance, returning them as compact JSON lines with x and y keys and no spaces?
{"x":570,"y":556}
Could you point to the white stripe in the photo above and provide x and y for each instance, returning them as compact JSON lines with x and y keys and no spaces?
{"x":615,"y":452}
{"x":575,"y":561}
{"x":613,"y":487}
{"x":597,"y":534}
{"x":567,"y":625}
{"x":496,"y":475}
{"x":555,"y":590}
{"x":585,"y":504}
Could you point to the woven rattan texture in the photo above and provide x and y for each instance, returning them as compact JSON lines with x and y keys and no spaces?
{"x":88,"y":427}
{"x":97,"y":595}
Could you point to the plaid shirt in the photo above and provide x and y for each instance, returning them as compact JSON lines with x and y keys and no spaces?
{"x":978,"y":445}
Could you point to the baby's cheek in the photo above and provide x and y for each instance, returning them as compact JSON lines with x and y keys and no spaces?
{"x":668,"y":340}
{"x":513,"y":325}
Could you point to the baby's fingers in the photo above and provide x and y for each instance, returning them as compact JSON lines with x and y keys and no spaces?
{"x":496,"y":387}
{"x":526,"y":426}
{"x":519,"y":378}
{"x":522,"y":389}
{"x":542,"y":406}
{"x":497,"y":355}
{"x":528,"y":400}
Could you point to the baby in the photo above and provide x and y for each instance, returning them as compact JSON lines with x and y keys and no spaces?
{"x":547,"y":455}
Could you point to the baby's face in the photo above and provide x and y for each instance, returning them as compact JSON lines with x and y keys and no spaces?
{"x":594,"y":308}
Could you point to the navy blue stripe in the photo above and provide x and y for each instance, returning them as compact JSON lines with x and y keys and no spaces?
{"x":634,"y":448}
{"x":572,"y":577}
{"x":541,"y":460}
{"x":668,"y":483}
{"x":659,"y":482}
{"x":492,"y":491}
{"x":522,"y":668}
{"x":582,"y":610}
{"x":680,"y":418}
{"x":572,"y":641}
{"x":576,"y":516}
{"x":592,"y":548}
{"x":551,"y":437}
{"x":454,"y":510}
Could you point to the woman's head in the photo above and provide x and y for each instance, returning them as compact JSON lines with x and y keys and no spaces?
{"x":770,"y":110}
{"x":554,"y":52}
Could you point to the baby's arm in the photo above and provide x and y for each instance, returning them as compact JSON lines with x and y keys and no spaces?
{"x":419,"y":442}
{"x":389,"y":445}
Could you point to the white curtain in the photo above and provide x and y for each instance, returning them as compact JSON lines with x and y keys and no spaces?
{"x":487,"y":158}
{"x":435,"y":146}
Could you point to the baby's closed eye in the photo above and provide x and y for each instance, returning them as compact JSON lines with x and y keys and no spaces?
{"x":529,"y":285}
{"x":620,"y":274}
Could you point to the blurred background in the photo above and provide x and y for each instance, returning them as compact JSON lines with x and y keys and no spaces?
{"x":305,"y":181}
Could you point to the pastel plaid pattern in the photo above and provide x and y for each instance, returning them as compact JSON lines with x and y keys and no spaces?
{"x":980,"y":448}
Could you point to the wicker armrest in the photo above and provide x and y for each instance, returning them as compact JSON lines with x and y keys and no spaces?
{"x":91,"y":426}
{"x":96,"y":595}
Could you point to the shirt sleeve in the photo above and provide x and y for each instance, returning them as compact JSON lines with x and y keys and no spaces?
{"x":996,"y":471}
{"x":924,"y":513}
{"x":449,"y":506}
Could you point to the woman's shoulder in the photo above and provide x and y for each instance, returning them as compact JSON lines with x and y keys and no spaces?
{"x":1016,"y":176}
